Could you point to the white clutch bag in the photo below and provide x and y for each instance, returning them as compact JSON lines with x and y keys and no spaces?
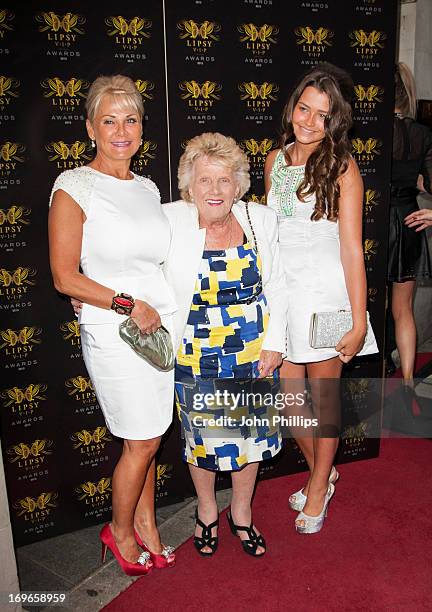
{"x":327,"y":328}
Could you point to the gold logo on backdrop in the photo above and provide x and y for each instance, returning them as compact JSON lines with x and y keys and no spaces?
{"x":5,"y":18}
{"x":371,"y":199}
{"x":199,"y":36}
{"x":367,"y":44}
{"x":163,"y":473}
{"x":87,"y":438}
{"x":355,"y":435}
{"x":370,"y":248}
{"x":17,"y":277}
{"x":145,"y":153}
{"x":20,"y":339}
{"x":78,"y":384}
{"x":33,"y":452}
{"x":14,"y":215}
{"x":357,"y":389}
{"x":258,"y":199}
{"x":145,"y":87}
{"x":9,"y":152}
{"x":72,"y":88}
{"x":372,"y":293}
{"x":200,"y":94}
{"x":69,"y":155}
{"x":309,"y":36}
{"x":36,"y":508}
{"x":257,"y":149}
{"x":71,"y":329}
{"x":8,"y":88}
{"x":94,"y":492}
{"x":258,"y":39}
{"x":135,"y":27}
{"x":67,"y":23}
{"x":368,"y":94}
{"x":366,"y":150}
{"x":258,"y":96}
{"x":16,"y":396}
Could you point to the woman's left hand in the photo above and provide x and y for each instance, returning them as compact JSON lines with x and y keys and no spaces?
{"x":420,"y":219}
{"x":269,"y":361}
{"x":350,"y":344}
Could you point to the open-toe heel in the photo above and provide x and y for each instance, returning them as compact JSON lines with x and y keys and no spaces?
{"x":255,"y":540}
{"x":206,"y":540}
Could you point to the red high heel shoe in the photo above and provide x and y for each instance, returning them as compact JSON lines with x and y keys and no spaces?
{"x":164,"y":559}
{"x":140,"y":568}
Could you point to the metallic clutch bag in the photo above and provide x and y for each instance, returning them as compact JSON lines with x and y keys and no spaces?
{"x":156,"y":348}
{"x":327,"y":328}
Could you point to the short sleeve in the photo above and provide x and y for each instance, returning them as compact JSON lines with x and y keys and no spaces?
{"x":77,"y":183}
{"x":151,"y":186}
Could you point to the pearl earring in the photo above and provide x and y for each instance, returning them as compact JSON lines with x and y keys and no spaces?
{"x":93,"y":144}
{"x":141,"y":141}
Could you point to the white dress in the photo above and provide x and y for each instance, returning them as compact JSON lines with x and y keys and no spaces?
{"x":310,"y":255}
{"x":125,"y":240}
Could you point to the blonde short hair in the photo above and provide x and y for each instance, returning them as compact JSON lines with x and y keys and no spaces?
{"x":121,"y":89}
{"x":215,"y":147}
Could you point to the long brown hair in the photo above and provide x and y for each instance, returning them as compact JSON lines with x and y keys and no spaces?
{"x":405,"y":91}
{"x":331,"y":157}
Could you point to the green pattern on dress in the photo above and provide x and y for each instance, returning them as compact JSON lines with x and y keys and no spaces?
{"x":285,"y":181}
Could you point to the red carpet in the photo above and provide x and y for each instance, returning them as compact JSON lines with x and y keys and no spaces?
{"x":422,"y":359}
{"x":373,"y":554}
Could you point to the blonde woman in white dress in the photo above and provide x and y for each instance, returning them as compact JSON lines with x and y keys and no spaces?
{"x":315,"y":187}
{"x":109,"y":221}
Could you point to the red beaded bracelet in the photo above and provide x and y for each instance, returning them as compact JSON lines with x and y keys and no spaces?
{"x":122,"y":303}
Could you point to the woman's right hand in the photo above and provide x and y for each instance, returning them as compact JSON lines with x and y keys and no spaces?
{"x":146,"y":317}
{"x":421,"y":218}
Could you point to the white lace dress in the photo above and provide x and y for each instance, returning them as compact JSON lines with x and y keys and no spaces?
{"x":125,"y":239}
{"x":310,"y":255}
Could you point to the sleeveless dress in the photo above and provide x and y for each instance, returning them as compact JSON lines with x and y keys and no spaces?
{"x":220,"y":352}
{"x":310,"y":255}
{"x":125,"y":239}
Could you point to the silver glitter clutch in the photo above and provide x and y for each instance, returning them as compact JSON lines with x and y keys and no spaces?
{"x":156,"y":348}
{"x":327,"y":328}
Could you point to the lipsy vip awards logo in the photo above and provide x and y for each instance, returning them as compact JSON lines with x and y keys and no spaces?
{"x":258,"y":98}
{"x":144,"y":156}
{"x":367,"y":99}
{"x":371,"y":201}
{"x":314,"y":7}
{"x":146,"y":89}
{"x":372,"y":294}
{"x":11,"y":155}
{"x":370,"y":249}
{"x":365,"y":151}
{"x":12,"y":221}
{"x":258,"y":41}
{"x":163,"y":474}
{"x":200,"y":99}
{"x":200,"y":39}
{"x":72,"y":335}
{"x":369,"y":7}
{"x":92,"y":445}
{"x":354,"y":439}
{"x":258,"y":199}
{"x":62,"y":32}
{"x":80,"y":390}
{"x":257,"y":151}
{"x":95,"y":495}
{"x":18,"y":346}
{"x":6,"y":19}
{"x":313,"y":42}
{"x":30,"y":458}
{"x":9,"y":92}
{"x":37,"y":511}
{"x":67,"y":156}
{"x":356,"y":390}
{"x":15,"y":288}
{"x":66,"y":97}
{"x":128,"y":36}
{"x":24,"y":403}
{"x":367,"y":47}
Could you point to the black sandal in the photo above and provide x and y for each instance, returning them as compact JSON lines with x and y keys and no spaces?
{"x":250,"y":546}
{"x":206,"y":538}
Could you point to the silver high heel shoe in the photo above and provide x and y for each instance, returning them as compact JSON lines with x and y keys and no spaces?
{"x":298,"y":499}
{"x":313,"y":524}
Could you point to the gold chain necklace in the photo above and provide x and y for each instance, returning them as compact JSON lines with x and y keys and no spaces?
{"x":230,"y":238}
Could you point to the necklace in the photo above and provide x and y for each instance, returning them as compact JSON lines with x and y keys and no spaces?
{"x":230,"y":237}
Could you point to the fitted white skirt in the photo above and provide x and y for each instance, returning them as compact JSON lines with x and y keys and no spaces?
{"x":135,"y":398}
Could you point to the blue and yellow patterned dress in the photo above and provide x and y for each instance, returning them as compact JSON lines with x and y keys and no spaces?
{"x":224,"y":428}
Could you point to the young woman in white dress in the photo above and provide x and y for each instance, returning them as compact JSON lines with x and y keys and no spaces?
{"x":110,"y":222}
{"x":315,"y":187}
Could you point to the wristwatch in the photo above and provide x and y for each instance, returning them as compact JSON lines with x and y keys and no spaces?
{"x":122,"y":303}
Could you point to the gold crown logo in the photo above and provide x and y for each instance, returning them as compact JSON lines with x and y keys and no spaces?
{"x":28,"y":505}
{"x":253,"y":33}
{"x":370,"y":246}
{"x":134,"y":27}
{"x":90,"y":489}
{"x":371,"y":145}
{"x":8,"y":85}
{"x":5,"y":19}
{"x":163,"y":473}
{"x":24,"y":336}
{"x":14,"y":215}
{"x":145,"y":87}
{"x":72,"y":88}
{"x":17,"y":396}
{"x":146,"y":149}
{"x":205,"y":30}
{"x":309,"y":36}
{"x":255,"y":147}
{"x":17,"y":277}
{"x":9,"y":151}
{"x":85,"y":437}
{"x":71,"y":329}
{"x":68,"y":23}
{"x":193,"y":89}
{"x":258,"y":199}
{"x":61,"y":150}
{"x":360,"y":38}
{"x":78,"y":384}
{"x":35,"y":449}
{"x":369,"y":94}
{"x":252,"y":91}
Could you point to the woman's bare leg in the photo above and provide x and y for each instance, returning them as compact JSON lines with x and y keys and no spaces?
{"x":204,"y":482}
{"x":243,"y":484}
{"x":405,"y":328}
